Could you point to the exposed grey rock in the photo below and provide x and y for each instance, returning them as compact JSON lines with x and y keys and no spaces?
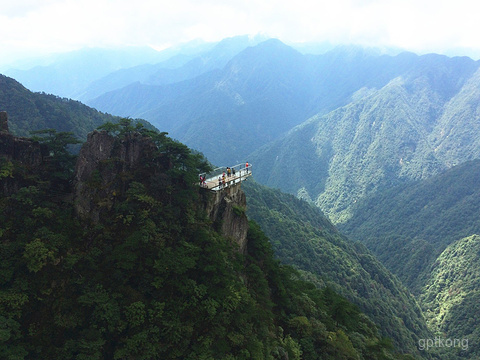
{"x":99,"y":172}
{"x":102,"y":172}
{"x":227,"y":208}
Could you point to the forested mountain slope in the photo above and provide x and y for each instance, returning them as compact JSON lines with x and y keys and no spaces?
{"x":145,"y":273}
{"x":427,"y":234}
{"x":29,"y":111}
{"x":408,"y":226}
{"x":301,"y":236}
{"x":416,"y":126}
{"x":451,"y":297}
{"x":259,"y":95}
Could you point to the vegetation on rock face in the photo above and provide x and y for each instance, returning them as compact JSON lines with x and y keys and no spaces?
{"x":450,"y":296}
{"x":152,"y":279}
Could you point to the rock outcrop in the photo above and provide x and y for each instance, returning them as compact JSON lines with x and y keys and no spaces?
{"x":103,"y":171}
{"x":104,"y":167}
{"x":226,"y":208}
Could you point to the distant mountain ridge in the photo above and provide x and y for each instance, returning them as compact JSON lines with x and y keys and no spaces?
{"x":28,"y":111}
{"x":415,"y":126}
{"x":67,"y":73}
{"x":263,"y":91}
{"x":174,"y":69}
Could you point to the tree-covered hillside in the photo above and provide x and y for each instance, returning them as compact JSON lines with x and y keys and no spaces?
{"x":302,"y":237}
{"x":425,"y":233}
{"x":150,"y":278}
{"x":408,"y":226}
{"x":29,"y":111}
{"x":451,"y":297}
{"x":416,"y":126}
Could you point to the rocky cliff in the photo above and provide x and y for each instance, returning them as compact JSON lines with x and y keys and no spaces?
{"x":226,"y":208}
{"x":106,"y":164}
{"x":105,"y":167}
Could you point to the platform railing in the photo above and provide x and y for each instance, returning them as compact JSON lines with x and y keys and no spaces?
{"x":214,"y":179}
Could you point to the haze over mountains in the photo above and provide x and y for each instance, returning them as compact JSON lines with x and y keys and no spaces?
{"x":373,"y":120}
{"x":396,"y":133}
{"x":386,"y":146}
{"x":263,"y":91}
{"x":387,"y":308}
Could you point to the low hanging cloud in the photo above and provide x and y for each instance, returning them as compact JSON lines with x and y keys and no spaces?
{"x":32,"y":26}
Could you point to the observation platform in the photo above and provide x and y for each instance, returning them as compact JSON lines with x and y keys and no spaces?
{"x":215,"y":180}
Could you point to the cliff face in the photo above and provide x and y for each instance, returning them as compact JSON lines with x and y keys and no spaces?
{"x":226,"y":208}
{"x":104,"y":170}
{"x":104,"y":167}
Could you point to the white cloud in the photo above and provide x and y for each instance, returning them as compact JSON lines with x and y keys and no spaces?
{"x":56,"y":25}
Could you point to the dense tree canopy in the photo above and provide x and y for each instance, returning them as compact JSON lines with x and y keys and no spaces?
{"x":153,"y":279}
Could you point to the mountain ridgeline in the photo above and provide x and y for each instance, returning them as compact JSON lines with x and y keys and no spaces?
{"x":386,"y":146}
{"x":125,"y":262}
{"x":28,"y":111}
{"x":256,"y":97}
{"x":346,"y":123}
{"x":409,"y":129}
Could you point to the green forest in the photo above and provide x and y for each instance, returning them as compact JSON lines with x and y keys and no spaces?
{"x":304,"y":238}
{"x":427,"y":234}
{"x":109,"y":249}
{"x":153,"y":278}
{"x":29,"y":111}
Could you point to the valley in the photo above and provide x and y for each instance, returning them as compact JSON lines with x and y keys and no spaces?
{"x":366,"y":178}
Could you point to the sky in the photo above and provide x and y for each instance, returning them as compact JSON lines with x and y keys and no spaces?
{"x":38,"y":27}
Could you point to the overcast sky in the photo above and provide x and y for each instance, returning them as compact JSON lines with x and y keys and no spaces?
{"x":35,"y":27}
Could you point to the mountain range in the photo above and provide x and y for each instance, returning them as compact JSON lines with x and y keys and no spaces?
{"x":415,"y":126}
{"x":385,"y":146}
{"x":259,"y":95}
{"x":118,"y":253}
